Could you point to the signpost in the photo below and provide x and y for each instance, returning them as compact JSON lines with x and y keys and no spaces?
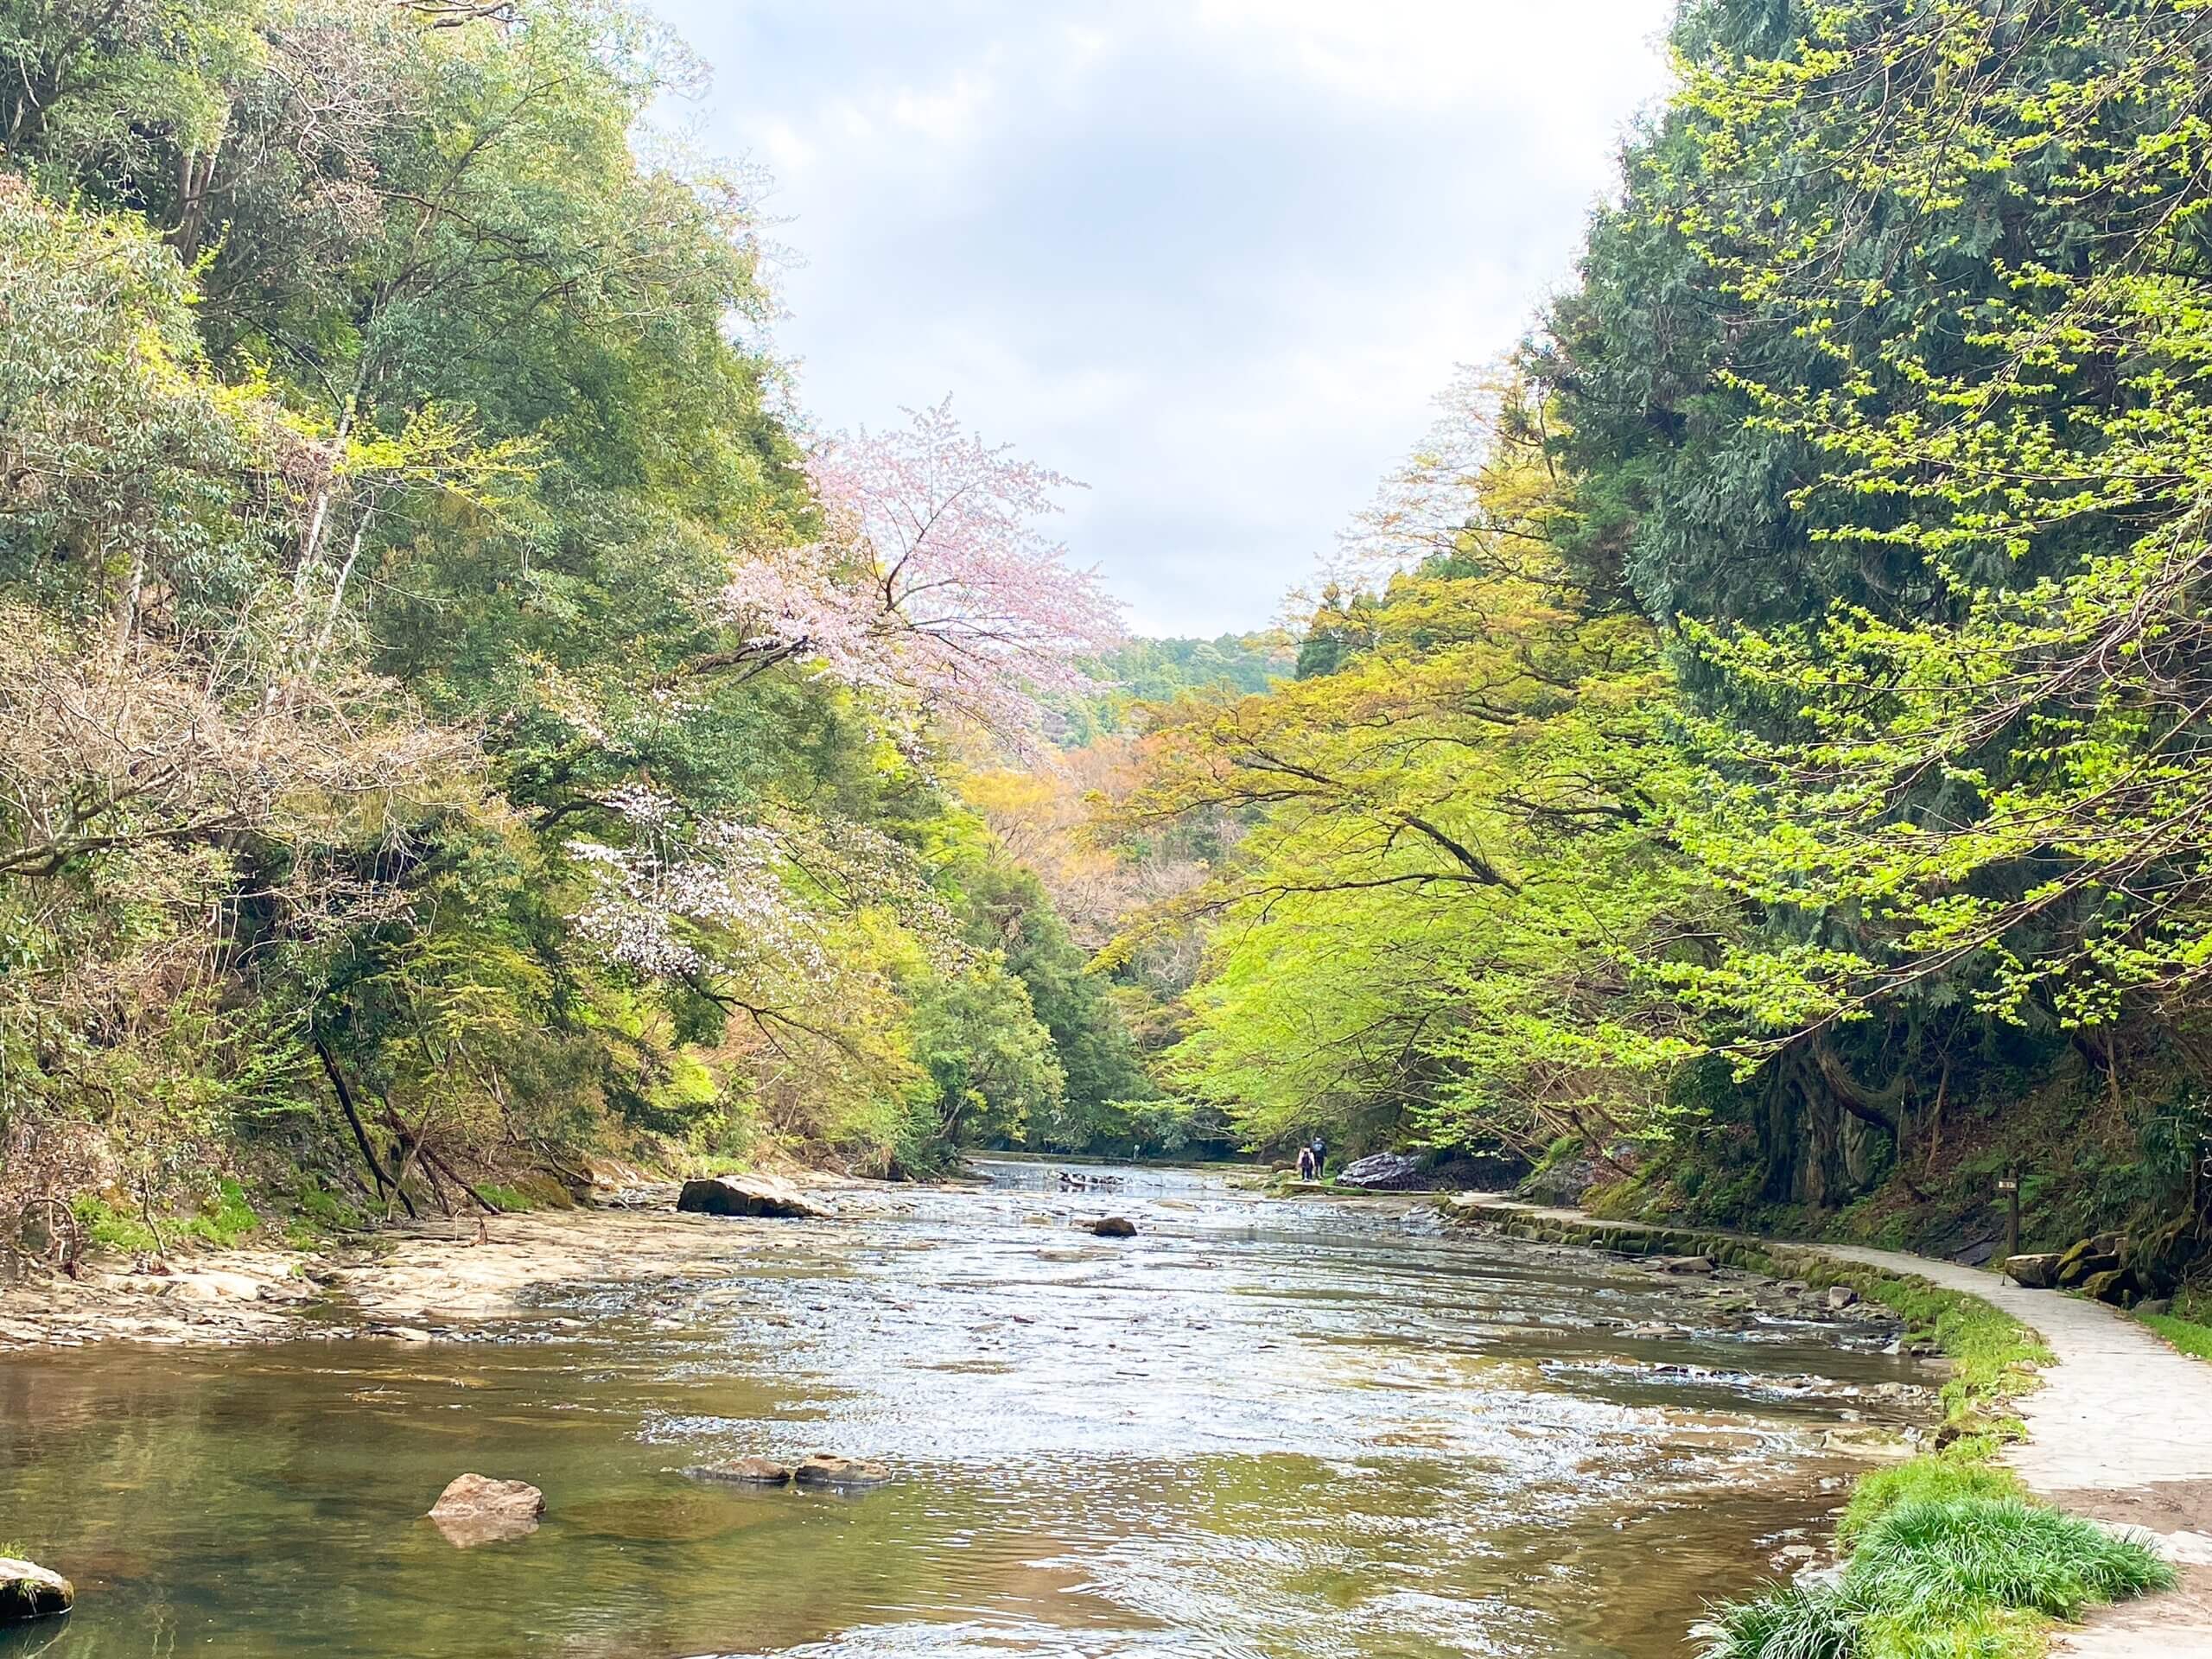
{"x":2010,"y":1185}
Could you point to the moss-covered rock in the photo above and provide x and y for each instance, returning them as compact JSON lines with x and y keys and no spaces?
{"x":28,"y":1591}
{"x":2078,"y":1264}
{"x":2114,"y":1285}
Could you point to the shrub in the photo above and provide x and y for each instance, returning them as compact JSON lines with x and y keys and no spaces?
{"x":1952,"y":1563}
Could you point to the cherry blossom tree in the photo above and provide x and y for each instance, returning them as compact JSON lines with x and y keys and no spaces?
{"x":932,"y":583}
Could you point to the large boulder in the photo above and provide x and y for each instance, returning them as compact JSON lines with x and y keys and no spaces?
{"x":1382,"y":1172}
{"x":748,"y":1195}
{"x":2114,"y":1285}
{"x":28,"y":1591}
{"x":1561,"y":1181}
{"x":2091,"y":1257}
{"x":1114,"y":1226}
{"x":2038,"y":1271}
{"x":477,"y":1510}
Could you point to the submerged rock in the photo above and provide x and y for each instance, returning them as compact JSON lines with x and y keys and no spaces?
{"x":746,"y":1471}
{"x":1880,"y":1445}
{"x":1684,"y":1264}
{"x":28,"y":1591}
{"x":2038,"y":1271}
{"x":677,"y":1518}
{"x":826,"y":1469}
{"x":748,"y":1195}
{"x":477,"y":1510}
{"x":1114,"y":1226}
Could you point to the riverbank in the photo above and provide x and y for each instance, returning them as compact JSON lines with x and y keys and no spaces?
{"x":413,"y":1280}
{"x":2113,"y":1425}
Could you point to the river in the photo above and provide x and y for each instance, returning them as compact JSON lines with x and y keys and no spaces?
{"x":1261,"y":1428}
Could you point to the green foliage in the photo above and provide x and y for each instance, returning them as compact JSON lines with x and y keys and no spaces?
{"x":226,"y":1219}
{"x":1144,"y":671}
{"x":1922,"y":1480}
{"x":387,"y":779}
{"x":1843,"y":527}
{"x":111,"y":1228}
{"x":1932,"y":1559}
{"x":1945,"y":1564}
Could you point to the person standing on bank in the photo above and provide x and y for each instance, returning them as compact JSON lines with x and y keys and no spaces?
{"x":1307,"y":1166}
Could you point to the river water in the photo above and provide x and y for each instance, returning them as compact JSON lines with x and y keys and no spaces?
{"x":1261,"y":1428}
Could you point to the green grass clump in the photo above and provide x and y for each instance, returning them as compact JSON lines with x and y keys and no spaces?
{"x":2185,"y":1334}
{"x":1790,"y":1623}
{"x":226,"y":1219}
{"x":1939,"y":1560}
{"x":1923,"y":1480}
{"x":1951,"y":1563}
{"x":505,"y":1198}
{"x":106,"y":1225}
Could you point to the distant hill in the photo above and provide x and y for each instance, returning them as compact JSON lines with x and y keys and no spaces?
{"x":1154,"y":671}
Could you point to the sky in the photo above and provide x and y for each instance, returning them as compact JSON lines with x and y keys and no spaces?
{"x":1212,"y":257}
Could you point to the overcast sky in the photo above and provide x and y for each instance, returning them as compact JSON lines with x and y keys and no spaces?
{"x":1211,"y":257}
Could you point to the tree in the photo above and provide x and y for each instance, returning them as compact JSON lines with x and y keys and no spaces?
{"x":932,"y":584}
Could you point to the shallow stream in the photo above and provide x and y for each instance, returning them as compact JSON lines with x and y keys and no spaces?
{"x":1261,"y":1428}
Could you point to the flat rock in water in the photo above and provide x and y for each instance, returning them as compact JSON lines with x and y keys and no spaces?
{"x":477,"y":1510}
{"x":840,"y":1474}
{"x":746,"y":1471}
{"x":1686,"y":1264}
{"x":748,"y":1195}
{"x":1114,"y":1226}
{"x":28,"y":1591}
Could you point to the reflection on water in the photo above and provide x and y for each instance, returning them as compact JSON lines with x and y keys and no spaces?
{"x":1260,"y":1427}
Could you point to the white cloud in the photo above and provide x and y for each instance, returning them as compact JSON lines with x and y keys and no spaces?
{"x":1212,"y":258}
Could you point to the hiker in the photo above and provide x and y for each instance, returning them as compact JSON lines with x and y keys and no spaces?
{"x":1306,"y":1168}
{"x":1320,"y":1151}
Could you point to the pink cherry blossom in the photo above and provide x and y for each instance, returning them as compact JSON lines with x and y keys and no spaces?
{"x":932,"y":584}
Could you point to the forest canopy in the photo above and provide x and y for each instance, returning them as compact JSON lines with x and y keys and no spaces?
{"x":459,"y":720}
{"x":1772,"y":723}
